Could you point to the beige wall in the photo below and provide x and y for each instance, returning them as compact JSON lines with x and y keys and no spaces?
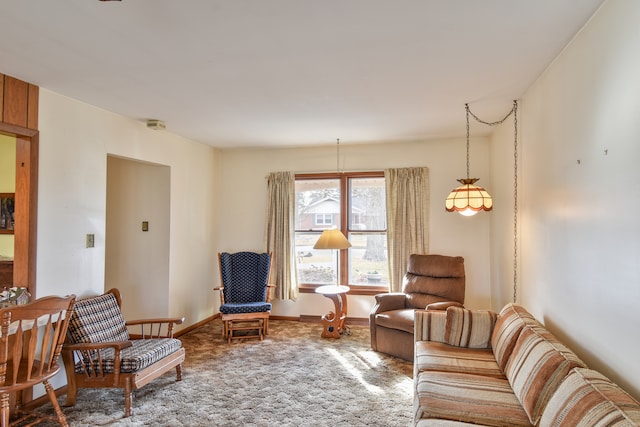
{"x":580,"y":196}
{"x":137,"y":261}
{"x":75,"y":139}
{"x":218,"y":202}
{"x":244,"y":200}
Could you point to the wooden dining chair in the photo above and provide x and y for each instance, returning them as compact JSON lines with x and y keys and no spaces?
{"x":30,"y":345}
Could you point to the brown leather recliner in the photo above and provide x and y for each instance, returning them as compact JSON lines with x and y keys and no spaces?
{"x":434,"y":282}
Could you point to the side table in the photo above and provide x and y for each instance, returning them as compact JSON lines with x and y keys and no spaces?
{"x":333,"y":322}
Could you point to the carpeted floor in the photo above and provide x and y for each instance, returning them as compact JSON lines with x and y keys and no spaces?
{"x":292,"y":378}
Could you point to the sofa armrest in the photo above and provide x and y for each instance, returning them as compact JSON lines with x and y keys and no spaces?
{"x":443,"y":305}
{"x":384,"y":302}
{"x":388,"y":302}
{"x":429,"y":325}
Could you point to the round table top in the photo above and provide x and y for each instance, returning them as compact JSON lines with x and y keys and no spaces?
{"x":332,"y":289}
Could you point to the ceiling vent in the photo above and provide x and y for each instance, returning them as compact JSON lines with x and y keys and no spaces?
{"x":156,"y":125}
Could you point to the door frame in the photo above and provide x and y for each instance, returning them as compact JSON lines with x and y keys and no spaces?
{"x":26,"y":205}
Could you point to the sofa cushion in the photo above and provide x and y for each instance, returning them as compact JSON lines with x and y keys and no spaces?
{"x":537,"y":366}
{"x":434,"y":356}
{"x":396,"y":319}
{"x":587,"y":398}
{"x":511,"y":320}
{"x":469,"y":328}
{"x":245,"y":307}
{"x":141,"y":354}
{"x":467,"y":398}
{"x":429,"y":325}
{"x":97,"y":319}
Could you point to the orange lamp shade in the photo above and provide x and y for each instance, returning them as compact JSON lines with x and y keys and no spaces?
{"x":332,"y":239}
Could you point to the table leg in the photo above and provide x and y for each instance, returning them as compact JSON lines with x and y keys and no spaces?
{"x":333,"y":322}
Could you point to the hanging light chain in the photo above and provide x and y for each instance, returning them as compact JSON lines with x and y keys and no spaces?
{"x":513,"y":111}
{"x":338,"y":155}
{"x":515,"y":201}
{"x":468,"y":112}
{"x":493,"y":123}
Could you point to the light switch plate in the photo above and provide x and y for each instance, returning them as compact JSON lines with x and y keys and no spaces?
{"x":90,"y":240}
{"x":145,"y":225}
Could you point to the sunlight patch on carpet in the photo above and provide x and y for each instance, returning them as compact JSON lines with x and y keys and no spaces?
{"x":372,"y":359}
{"x":355,"y":372}
{"x":405,"y":386}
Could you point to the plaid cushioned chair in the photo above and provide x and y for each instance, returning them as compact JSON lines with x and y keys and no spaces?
{"x":99,"y":352}
{"x":244,"y":293}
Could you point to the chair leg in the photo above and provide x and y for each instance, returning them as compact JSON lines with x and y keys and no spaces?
{"x":128,"y":397}
{"x":54,"y":402}
{"x":72,"y":392}
{"x":4,"y":410}
{"x":179,"y":372}
{"x":225,"y":328}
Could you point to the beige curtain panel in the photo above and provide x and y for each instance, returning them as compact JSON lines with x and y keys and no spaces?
{"x":407,"y":219}
{"x":280,"y":233}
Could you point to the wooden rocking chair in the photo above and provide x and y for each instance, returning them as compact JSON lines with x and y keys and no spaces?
{"x":245,"y":293}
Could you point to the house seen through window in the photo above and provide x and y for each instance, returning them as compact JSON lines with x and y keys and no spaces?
{"x":355,"y":204}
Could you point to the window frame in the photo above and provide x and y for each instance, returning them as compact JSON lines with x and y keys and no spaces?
{"x":343,"y":178}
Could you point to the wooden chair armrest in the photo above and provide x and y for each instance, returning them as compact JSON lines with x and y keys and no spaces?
{"x":155,"y":327}
{"x":221,"y":289}
{"x":117,"y":345}
{"x":270,"y":287}
{"x":174,"y":320}
{"x":87,"y":354}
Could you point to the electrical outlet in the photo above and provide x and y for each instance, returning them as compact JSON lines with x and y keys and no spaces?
{"x":90,"y":240}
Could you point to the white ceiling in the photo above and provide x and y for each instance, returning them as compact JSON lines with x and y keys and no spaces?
{"x":246,"y":73}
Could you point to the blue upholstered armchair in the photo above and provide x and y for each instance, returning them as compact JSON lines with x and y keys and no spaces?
{"x":244,"y":293}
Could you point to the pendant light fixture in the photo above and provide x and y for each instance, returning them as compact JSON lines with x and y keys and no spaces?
{"x":469,"y":199}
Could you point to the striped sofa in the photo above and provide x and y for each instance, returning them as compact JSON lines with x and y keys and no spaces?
{"x":506,"y":369}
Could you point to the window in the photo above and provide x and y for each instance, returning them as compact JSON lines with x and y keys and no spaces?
{"x":323,"y":219}
{"x":355,"y":204}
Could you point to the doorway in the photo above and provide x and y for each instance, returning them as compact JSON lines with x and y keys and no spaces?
{"x":137,"y":235}
{"x":7,"y":210}
{"x":23,"y":145}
